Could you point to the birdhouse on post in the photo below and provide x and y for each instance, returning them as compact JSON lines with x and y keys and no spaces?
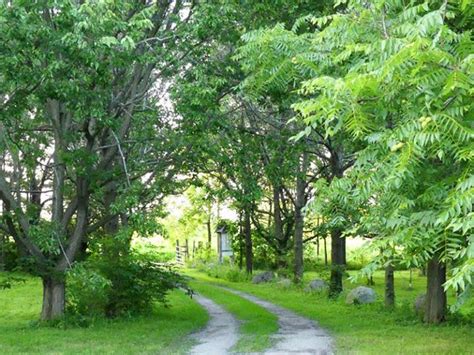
{"x":224,"y":245}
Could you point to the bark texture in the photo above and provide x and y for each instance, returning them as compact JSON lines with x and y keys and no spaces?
{"x":300,"y":202}
{"x":248,"y":243}
{"x":54,"y":298}
{"x":338,"y":262}
{"x":435,"y":311}
{"x":389,"y":287}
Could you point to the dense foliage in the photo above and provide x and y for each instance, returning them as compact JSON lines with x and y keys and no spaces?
{"x":311,"y":120}
{"x":130,"y":285}
{"x":392,"y":81}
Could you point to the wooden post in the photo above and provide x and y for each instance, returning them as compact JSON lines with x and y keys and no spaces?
{"x":178,"y":261}
{"x":186,"y":252}
{"x":219,"y":247}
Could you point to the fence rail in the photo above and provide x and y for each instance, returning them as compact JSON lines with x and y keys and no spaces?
{"x":182,"y":253}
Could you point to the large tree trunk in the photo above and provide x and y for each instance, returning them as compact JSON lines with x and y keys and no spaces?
{"x":338,"y":244}
{"x":248,"y":242}
{"x":435,"y":311}
{"x":338,"y":264}
{"x":389,"y":287}
{"x":54,"y":298}
{"x":299,"y":263}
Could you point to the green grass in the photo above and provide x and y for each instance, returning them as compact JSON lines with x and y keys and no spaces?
{"x":257,"y":324}
{"x":369,"y":329}
{"x":165,"y":331}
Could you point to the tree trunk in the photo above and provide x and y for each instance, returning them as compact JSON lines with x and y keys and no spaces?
{"x":389,"y":287}
{"x":325,"y":251}
{"x":299,"y":263}
{"x":435,"y":311}
{"x":54,"y":298}
{"x":370,"y":280}
{"x":278,"y":225}
{"x":208,"y":224}
{"x":241,"y":242}
{"x":2,"y":252}
{"x":337,"y":262}
{"x":248,"y":243}
{"x":338,"y":244}
{"x":300,"y":202}
{"x":54,"y":109}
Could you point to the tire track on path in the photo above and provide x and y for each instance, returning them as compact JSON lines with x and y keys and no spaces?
{"x":221,"y":332}
{"x":296,"y":334}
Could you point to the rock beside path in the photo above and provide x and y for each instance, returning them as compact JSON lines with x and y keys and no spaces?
{"x":361,"y":295}
{"x":266,"y":276}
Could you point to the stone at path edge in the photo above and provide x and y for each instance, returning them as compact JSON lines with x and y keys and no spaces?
{"x":266,"y":276}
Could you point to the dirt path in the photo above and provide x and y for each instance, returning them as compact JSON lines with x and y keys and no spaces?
{"x":220,"y":333}
{"x":297,"y":335}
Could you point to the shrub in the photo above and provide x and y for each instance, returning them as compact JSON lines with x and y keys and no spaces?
{"x":8,"y":281}
{"x":87,"y":291}
{"x":225,"y":271}
{"x":138,"y":283}
{"x":122,"y":286}
{"x":11,"y":257}
{"x":204,"y":256}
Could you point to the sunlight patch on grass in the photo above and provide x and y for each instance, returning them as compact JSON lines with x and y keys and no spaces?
{"x":165,"y":331}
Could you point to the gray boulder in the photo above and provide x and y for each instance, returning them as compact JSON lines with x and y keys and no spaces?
{"x":317,"y":285}
{"x":266,"y":276}
{"x":361,"y":295}
{"x":419,"y":304}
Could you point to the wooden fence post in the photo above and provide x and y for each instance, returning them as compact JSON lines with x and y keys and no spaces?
{"x":186,"y":250}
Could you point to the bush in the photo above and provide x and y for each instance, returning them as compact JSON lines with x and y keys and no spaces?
{"x":204,"y":256}
{"x":137,"y":284}
{"x":224,"y":271}
{"x":11,"y":257}
{"x":87,"y":291}
{"x":124,"y":286}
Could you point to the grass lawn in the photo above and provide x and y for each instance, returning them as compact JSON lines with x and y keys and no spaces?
{"x":164,"y":331}
{"x":369,"y":329}
{"x":257,"y":324}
